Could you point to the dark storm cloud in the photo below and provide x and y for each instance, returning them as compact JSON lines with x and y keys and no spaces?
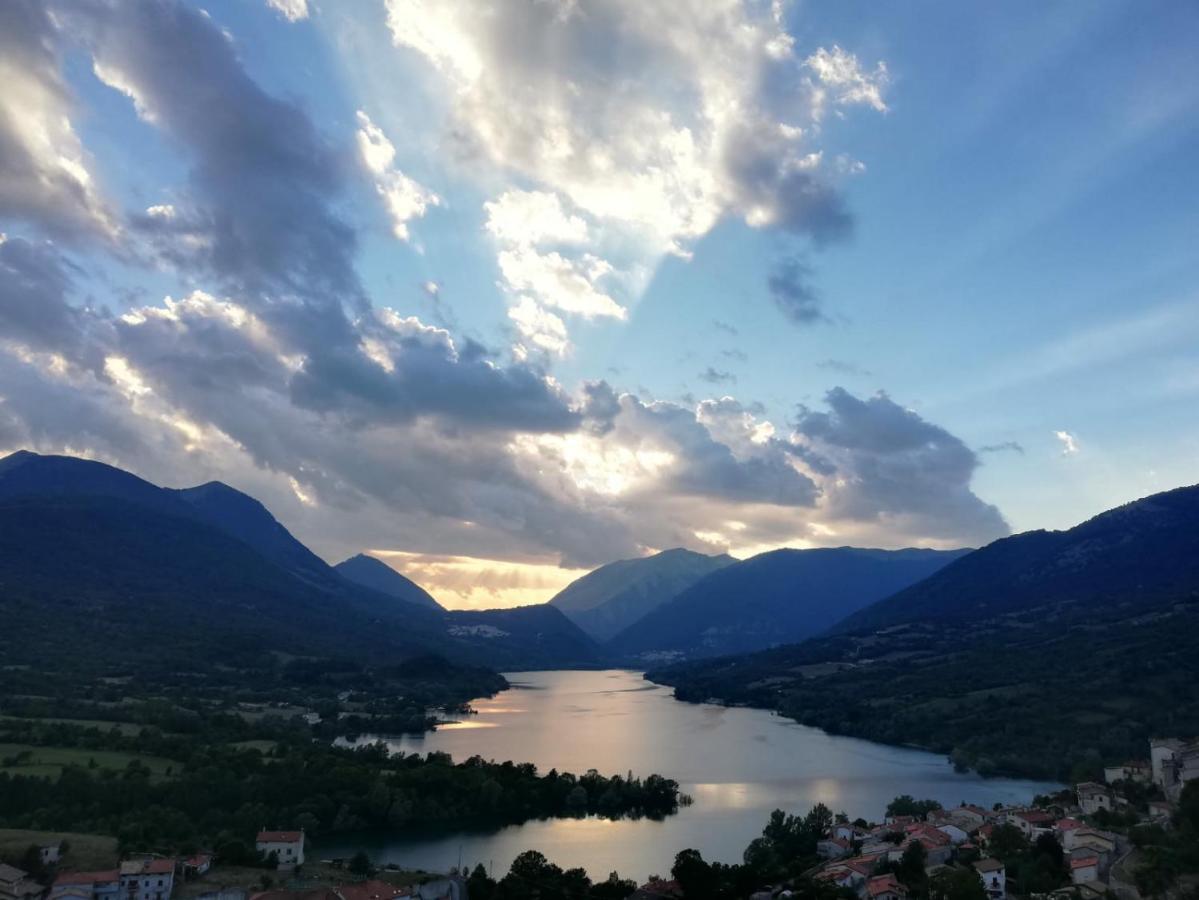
{"x":892,"y":463}
{"x":793,"y":293}
{"x":34,"y":306}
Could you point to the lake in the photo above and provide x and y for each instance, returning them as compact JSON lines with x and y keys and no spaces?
{"x":738,"y":765}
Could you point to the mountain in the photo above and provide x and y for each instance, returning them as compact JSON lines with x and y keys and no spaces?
{"x":94,"y":557}
{"x":249,"y":521}
{"x":611,"y":598}
{"x":523,"y":635}
{"x":1145,"y":550}
{"x":773,"y":598}
{"x":377,"y":575}
{"x":1044,"y":654}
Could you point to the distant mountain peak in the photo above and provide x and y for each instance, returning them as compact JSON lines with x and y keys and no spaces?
{"x":372,"y":572}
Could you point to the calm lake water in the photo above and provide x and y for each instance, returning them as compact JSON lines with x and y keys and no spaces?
{"x":738,"y":764}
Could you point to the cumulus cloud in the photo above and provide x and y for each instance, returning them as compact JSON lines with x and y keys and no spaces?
{"x":405,"y":198}
{"x":895,"y":468}
{"x":1069,"y":442}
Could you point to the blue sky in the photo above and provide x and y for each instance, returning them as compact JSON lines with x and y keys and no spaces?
{"x":504,"y":290}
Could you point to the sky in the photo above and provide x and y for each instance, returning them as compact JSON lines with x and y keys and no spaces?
{"x":503,"y":290}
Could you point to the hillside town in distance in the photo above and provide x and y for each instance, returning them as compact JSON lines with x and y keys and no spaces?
{"x":1084,"y":838}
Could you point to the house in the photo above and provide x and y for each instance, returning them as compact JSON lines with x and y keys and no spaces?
{"x":1031,"y":822}
{"x":657,"y":889}
{"x":956,"y":835}
{"x":1159,"y":809}
{"x":1084,"y":868}
{"x":147,"y":879}
{"x":845,"y":831}
{"x":833,"y":848}
{"x":104,"y":885}
{"x":1061,"y":826}
{"x":938,"y":847}
{"x":1093,"y":797}
{"x":885,"y":887}
{"x":993,"y":876}
{"x":196,"y":865}
{"x":968,"y":818}
{"x":1134,"y":770}
{"x":1101,"y":840}
{"x":51,"y":853}
{"x":1161,"y":752}
{"x":288,"y":847}
{"x":17,"y":885}
{"x":984,"y":834}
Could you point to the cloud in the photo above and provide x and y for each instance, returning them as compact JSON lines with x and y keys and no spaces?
{"x":846,"y":81}
{"x":793,"y":293}
{"x":650,"y":120}
{"x":843,"y":367}
{"x":292,"y":10}
{"x":895,"y":468}
{"x":274,"y":369}
{"x":45,"y":175}
{"x":405,"y":198}
{"x":1069,"y":442}
{"x":715,"y":376}
{"x":725,"y":327}
{"x":1003,"y":447}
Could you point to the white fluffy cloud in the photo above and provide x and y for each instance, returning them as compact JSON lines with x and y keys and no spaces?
{"x":1069,"y":442}
{"x":405,"y":198}
{"x":649,"y":119}
{"x":292,"y":10}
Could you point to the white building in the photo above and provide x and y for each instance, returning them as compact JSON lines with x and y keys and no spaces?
{"x":147,"y":879}
{"x":1093,"y":797}
{"x":993,"y":876}
{"x":288,"y":847}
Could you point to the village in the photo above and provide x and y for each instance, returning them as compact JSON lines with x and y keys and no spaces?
{"x":917,"y":851}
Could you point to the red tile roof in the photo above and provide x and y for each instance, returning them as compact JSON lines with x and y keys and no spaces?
{"x":371,"y":890}
{"x":280,"y":837}
{"x":1084,"y":862}
{"x":882,"y":884}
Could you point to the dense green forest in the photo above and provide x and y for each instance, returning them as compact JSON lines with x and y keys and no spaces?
{"x":1042,"y":693}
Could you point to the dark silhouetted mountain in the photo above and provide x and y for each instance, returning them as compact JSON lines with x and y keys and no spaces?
{"x":379,"y":576}
{"x":94,"y":560}
{"x":248,"y":520}
{"x":774,"y":598}
{"x":1045,"y":654}
{"x":1132,"y":554}
{"x":606,"y":601}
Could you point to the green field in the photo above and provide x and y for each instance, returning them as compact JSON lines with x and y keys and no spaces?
{"x":86,"y":852}
{"x":49,"y":761}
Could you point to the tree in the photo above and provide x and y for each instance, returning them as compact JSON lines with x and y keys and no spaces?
{"x":693,"y":874}
{"x":907,"y":805}
{"x":956,"y":884}
{"x":1007,"y":842}
{"x":911,"y":869}
{"x":360,"y":864}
